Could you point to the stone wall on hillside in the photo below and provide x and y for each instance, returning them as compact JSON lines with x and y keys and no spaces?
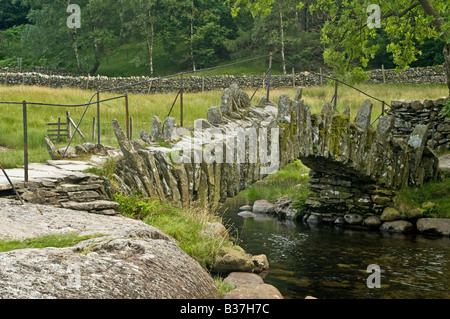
{"x":197,"y":83}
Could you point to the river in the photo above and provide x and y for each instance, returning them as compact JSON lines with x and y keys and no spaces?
{"x":330,"y":262}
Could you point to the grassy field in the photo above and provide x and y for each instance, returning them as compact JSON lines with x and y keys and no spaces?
{"x":143,"y":107}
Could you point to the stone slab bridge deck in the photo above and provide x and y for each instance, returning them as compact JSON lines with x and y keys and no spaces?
{"x":354,"y":167}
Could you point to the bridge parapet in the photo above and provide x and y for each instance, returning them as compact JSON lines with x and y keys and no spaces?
{"x":354,"y":167}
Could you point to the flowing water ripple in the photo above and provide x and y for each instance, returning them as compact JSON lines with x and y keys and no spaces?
{"x":330,"y":262}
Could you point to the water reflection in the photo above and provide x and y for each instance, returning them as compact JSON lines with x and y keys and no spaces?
{"x":331,"y":262}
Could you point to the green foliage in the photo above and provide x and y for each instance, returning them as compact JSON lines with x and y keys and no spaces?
{"x":223,"y":286}
{"x":12,"y":13}
{"x":57,"y":240}
{"x":350,"y":43}
{"x":433,"y":198}
{"x":291,"y":181}
{"x":445,"y":111}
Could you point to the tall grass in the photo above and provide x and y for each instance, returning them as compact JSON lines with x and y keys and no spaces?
{"x":143,"y":107}
{"x":184,"y":225}
{"x":290,"y":181}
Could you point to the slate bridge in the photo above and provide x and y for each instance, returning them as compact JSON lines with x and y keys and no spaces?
{"x":354,"y":167}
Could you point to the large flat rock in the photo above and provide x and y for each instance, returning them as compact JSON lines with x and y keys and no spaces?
{"x":133,"y":259}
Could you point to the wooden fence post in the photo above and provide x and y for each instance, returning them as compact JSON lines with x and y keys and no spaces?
{"x":131,"y":128}
{"x":69,"y":126}
{"x":181,"y":100}
{"x":58,"y":133}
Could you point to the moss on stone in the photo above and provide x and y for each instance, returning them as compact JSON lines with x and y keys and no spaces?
{"x":338,"y":129}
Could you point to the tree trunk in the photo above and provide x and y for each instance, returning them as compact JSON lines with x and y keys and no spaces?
{"x":447,"y":64}
{"x":192,"y":42}
{"x":282,"y":42}
{"x":150,"y":41}
{"x":75,"y":50}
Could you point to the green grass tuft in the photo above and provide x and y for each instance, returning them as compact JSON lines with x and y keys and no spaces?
{"x":55,"y":240}
{"x":291,"y":181}
{"x":433,"y":198}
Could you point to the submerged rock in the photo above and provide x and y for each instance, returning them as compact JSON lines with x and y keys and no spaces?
{"x":247,"y":214}
{"x":398,"y":226}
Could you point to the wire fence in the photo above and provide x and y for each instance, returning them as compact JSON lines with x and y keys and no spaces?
{"x":97,"y":101}
{"x":336,"y":86}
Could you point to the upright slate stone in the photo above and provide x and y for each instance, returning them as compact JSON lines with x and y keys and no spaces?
{"x":284,"y":109}
{"x":364,"y":115}
{"x":156,"y":132}
{"x":298,"y":94}
{"x":168,"y":128}
{"x":214,"y":116}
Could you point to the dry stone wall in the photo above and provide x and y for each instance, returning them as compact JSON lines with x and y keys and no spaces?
{"x":409,"y":114}
{"x":197,"y":84}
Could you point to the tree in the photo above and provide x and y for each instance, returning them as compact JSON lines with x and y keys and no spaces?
{"x":12,"y":14}
{"x":288,"y":30}
{"x":48,"y":37}
{"x":138,"y":19}
{"x":347,"y":35}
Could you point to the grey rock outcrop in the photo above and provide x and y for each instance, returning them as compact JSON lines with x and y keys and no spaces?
{"x":131,"y":260}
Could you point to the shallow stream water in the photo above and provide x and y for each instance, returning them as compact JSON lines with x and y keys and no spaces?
{"x":331,"y":262}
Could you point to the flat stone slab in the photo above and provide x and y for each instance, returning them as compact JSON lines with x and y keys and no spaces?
{"x":51,"y":171}
{"x":94,"y":205}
